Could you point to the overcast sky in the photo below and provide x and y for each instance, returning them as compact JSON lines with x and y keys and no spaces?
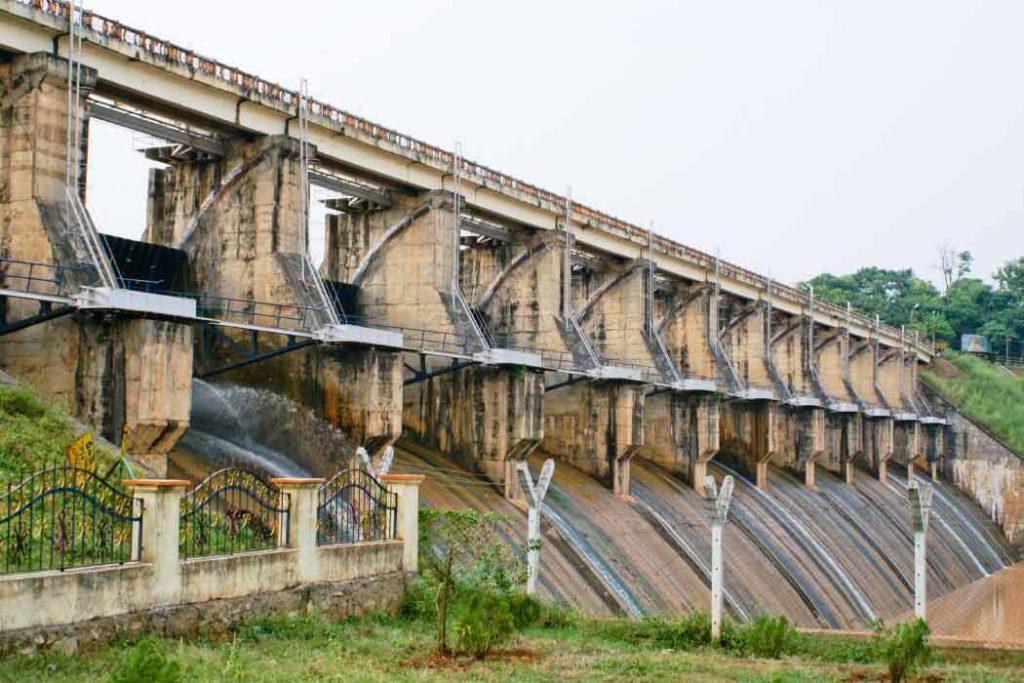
{"x":793,"y":137}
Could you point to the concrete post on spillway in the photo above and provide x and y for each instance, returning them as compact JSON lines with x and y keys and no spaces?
{"x":240,"y":219}
{"x":681,"y":428}
{"x":402,"y":258}
{"x":128,"y":377}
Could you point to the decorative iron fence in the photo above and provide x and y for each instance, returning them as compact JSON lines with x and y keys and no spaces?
{"x":64,"y":517}
{"x":354,"y":507}
{"x":233,"y":511}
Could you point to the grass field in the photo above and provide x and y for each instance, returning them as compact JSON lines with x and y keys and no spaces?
{"x":310,"y":648}
{"x":985,"y":394}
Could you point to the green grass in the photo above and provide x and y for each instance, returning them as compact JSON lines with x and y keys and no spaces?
{"x":380,"y":648}
{"x":986,"y":395}
{"x":34,"y":435}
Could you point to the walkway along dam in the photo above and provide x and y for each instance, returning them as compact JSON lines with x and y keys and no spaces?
{"x":475,"y":321}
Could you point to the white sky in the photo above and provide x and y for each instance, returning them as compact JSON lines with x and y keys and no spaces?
{"x":793,"y":137}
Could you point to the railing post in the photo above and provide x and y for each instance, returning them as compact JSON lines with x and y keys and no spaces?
{"x":299,"y":497}
{"x":407,"y":487}
{"x":158,"y":542}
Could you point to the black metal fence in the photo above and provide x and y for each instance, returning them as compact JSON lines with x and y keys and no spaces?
{"x":354,"y":507}
{"x":233,"y":511}
{"x":64,"y":517}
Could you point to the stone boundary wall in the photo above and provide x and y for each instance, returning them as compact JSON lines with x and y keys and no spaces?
{"x":984,"y":468}
{"x":213,"y":618}
{"x":158,"y":580}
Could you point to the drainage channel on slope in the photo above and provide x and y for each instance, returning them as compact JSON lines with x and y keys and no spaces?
{"x":821,"y":555}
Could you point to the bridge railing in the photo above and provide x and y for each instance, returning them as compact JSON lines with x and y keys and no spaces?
{"x":33,"y":277}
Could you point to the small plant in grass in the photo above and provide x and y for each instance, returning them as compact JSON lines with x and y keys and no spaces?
{"x":903,"y":648}
{"x":767,"y":637}
{"x":473,"y":577}
{"x":146,"y":662}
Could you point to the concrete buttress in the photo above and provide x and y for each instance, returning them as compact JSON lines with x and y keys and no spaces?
{"x":128,"y":377}
{"x":239,"y":219}
{"x":402,"y":259}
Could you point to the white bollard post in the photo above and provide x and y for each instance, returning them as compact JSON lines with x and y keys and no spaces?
{"x":535,"y":500}
{"x":920,"y":507}
{"x":720,"y":511}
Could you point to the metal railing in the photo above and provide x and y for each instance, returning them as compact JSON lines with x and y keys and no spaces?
{"x":33,"y":277}
{"x":233,"y":511}
{"x":63,"y":517}
{"x":353,"y":507}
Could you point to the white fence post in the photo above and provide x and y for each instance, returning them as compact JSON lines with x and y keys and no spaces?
{"x":720,"y":511}
{"x":534,"y":501}
{"x":920,"y":507}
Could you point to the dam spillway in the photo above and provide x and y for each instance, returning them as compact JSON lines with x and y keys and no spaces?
{"x":835,"y":556}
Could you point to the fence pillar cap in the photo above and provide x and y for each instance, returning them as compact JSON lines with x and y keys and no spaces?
{"x":157,"y":483}
{"x":403,"y":478}
{"x":296,"y":481}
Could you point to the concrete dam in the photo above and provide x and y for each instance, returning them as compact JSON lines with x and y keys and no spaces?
{"x":474,"y":321}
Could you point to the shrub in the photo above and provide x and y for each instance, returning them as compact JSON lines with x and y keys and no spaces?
{"x":695,"y":629}
{"x":767,"y":637}
{"x":464,"y":559}
{"x":484,"y":621}
{"x":526,"y":610}
{"x":903,"y":648}
{"x":146,"y":662}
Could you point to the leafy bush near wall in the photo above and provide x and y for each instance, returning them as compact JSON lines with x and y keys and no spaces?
{"x":904,"y":648}
{"x":33,"y":435}
{"x":471,"y":583}
{"x":986,"y":395}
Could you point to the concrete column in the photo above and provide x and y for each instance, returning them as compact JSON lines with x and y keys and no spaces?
{"x":299,"y":496}
{"x":597,"y":427}
{"x":407,"y":487}
{"x":844,"y":443}
{"x":753,"y":432}
{"x":934,"y":447}
{"x":810,"y":440}
{"x":907,"y":444}
{"x":878,"y":439}
{"x":681,"y":433}
{"x":160,"y":500}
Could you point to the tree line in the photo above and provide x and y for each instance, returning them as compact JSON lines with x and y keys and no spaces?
{"x":967,"y":305}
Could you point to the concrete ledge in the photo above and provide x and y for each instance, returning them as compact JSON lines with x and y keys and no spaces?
{"x":804,"y":402}
{"x":756,"y":394}
{"x":842,"y":407}
{"x":508,"y":357}
{"x":695,"y":384}
{"x":877,"y":412}
{"x":612,"y":372}
{"x":356,"y":334}
{"x":905,"y":416}
{"x":140,"y":302}
{"x":928,"y":420}
{"x":105,"y":298}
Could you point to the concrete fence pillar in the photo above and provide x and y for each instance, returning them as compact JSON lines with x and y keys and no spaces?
{"x":160,"y":500}
{"x":299,"y":496}
{"x":407,"y":487}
